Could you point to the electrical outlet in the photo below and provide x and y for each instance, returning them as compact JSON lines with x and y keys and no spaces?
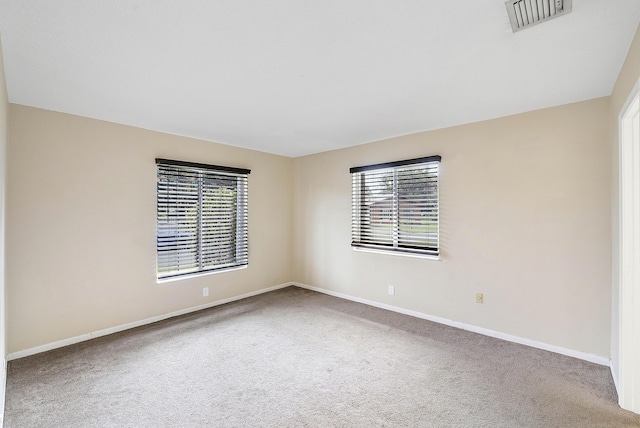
{"x":205,"y":291}
{"x":479,"y":298}
{"x":392,"y":290}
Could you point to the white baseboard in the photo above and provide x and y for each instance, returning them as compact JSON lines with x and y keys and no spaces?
{"x":480,"y":330}
{"x":111,"y":330}
{"x":475,"y":329}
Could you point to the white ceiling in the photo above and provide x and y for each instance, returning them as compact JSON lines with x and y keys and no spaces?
{"x":295,"y":77}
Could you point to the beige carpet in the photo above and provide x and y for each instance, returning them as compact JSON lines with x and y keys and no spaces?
{"x":295,"y":358}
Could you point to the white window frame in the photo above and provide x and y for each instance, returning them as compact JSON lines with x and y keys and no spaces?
{"x":202,"y":218}
{"x":368,"y":180}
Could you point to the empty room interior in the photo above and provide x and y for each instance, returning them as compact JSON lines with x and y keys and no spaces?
{"x":320,"y":213}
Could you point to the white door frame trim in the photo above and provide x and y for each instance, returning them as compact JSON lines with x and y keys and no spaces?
{"x":629,"y":252}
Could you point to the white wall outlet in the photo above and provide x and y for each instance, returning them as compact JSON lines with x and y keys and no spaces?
{"x":479,"y":298}
{"x":392,"y":290}
{"x":205,"y":291}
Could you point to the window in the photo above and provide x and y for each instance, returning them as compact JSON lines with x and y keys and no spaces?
{"x":202,"y":218}
{"x":395,"y":206}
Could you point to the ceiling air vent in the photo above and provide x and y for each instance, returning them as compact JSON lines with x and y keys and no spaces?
{"x":525,"y":13}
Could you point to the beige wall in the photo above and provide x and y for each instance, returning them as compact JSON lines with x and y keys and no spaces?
{"x":627,"y":78}
{"x":81,"y":226}
{"x":525,"y":219}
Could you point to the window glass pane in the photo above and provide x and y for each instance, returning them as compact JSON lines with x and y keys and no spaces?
{"x":417,"y":207}
{"x":377,"y":207}
{"x":219,"y":218}
{"x":396,"y":207}
{"x":201,"y":219}
{"x":177,"y":222}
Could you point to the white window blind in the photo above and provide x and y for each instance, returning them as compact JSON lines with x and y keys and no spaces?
{"x":201,"y":217}
{"x":395,"y":206}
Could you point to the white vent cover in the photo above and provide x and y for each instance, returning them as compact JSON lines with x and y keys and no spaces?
{"x":525,"y":13}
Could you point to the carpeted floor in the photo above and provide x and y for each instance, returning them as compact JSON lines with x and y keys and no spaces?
{"x":296,"y":358}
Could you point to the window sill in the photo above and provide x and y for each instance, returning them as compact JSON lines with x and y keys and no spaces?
{"x":197,"y":275}
{"x":396,"y":253}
